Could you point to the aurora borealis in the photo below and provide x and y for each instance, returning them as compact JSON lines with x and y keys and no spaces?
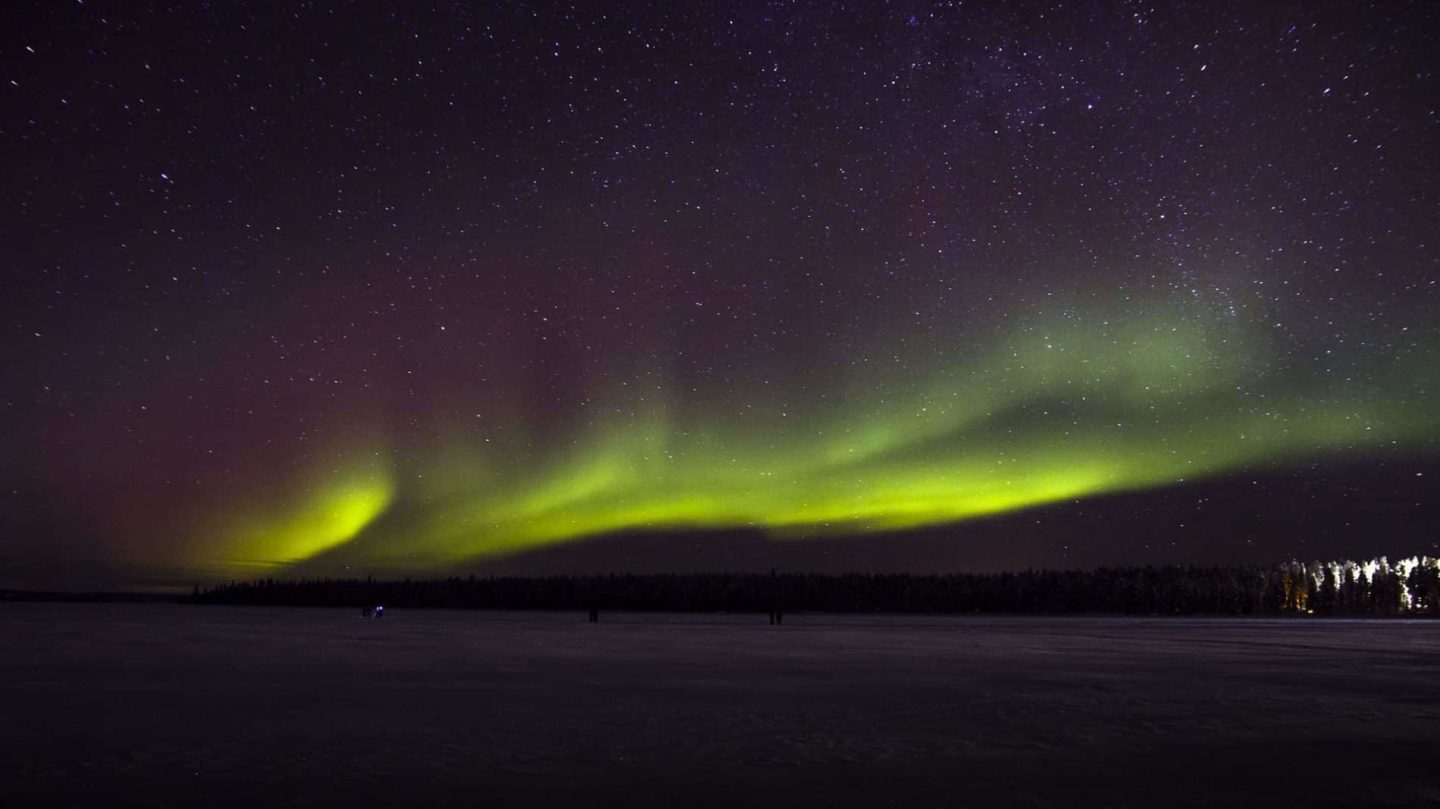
{"x":336,"y":291}
{"x":1053,"y":414}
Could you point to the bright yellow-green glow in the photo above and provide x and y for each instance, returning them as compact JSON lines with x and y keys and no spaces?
{"x":324,"y":516}
{"x":1059,"y":407}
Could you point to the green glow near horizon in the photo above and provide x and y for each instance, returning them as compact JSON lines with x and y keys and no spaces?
{"x":327,"y":516}
{"x":1056,"y":409}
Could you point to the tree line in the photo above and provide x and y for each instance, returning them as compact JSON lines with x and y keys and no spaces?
{"x":1377,"y":587}
{"x":1374,"y":588}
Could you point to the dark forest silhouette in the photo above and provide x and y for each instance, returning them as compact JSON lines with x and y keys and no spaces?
{"x":1410,"y":587}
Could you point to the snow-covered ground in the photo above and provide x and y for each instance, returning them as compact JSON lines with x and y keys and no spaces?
{"x":165,"y":705}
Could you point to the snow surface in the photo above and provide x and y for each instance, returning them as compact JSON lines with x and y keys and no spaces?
{"x":167,"y":705}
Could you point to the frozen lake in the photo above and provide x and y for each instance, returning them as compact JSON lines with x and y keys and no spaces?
{"x":167,"y":705}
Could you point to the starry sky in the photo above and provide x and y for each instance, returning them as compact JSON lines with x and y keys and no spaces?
{"x":332,"y":288}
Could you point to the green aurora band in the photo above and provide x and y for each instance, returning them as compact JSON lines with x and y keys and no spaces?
{"x":1055,"y":408}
